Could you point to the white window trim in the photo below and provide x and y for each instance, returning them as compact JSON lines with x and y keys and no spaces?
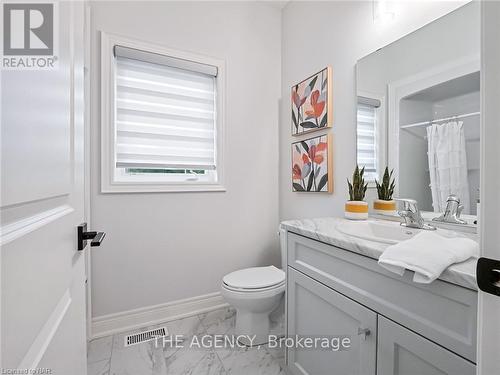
{"x":380,"y":135}
{"x":108,"y":182}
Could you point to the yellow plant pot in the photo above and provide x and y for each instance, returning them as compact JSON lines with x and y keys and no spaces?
{"x":384,"y":207}
{"x":356,"y":210}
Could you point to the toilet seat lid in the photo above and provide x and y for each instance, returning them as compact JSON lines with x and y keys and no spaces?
{"x":255,"y":278}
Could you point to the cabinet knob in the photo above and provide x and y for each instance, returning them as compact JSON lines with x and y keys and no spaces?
{"x":364,"y":331}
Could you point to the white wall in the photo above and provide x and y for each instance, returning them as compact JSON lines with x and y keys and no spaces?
{"x":336,"y":33}
{"x":167,"y":246}
{"x":450,"y":39}
{"x":413,"y":176}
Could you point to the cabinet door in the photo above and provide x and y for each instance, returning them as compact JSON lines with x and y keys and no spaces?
{"x":315,"y":310}
{"x":403,"y":352}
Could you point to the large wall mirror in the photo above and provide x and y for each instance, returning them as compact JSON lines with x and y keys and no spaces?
{"x":418,"y":111}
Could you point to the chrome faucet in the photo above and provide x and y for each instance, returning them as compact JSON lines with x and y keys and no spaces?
{"x":411,"y":215}
{"x":452,"y":212}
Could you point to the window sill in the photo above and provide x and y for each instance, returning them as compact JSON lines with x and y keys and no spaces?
{"x":161,"y":188}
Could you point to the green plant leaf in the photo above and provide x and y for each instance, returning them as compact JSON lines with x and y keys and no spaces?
{"x":323,"y":121}
{"x":322,"y":182}
{"x":323,"y":85}
{"x":308,"y":125}
{"x":298,"y":187}
{"x":310,"y":182}
{"x":357,"y":189}
{"x":313,"y":82}
{"x":304,"y":145}
{"x":386,"y":189}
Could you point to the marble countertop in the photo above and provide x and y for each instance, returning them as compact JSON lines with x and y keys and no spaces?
{"x":325,"y":230}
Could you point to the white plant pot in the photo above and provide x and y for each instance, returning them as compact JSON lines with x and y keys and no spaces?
{"x":356,"y":210}
{"x":384,"y":207}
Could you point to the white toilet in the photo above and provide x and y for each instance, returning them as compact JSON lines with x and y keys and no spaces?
{"x":255,"y":293}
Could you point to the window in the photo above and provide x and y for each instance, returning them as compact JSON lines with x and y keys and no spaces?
{"x":161,"y":121}
{"x":367,"y":128}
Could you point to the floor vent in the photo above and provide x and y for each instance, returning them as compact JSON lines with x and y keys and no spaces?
{"x":145,"y":336}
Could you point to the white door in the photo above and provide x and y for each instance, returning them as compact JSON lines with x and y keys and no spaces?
{"x":489,"y":304}
{"x":42,"y":202}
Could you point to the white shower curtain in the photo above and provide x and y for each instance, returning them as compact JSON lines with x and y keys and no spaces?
{"x":448,"y":164}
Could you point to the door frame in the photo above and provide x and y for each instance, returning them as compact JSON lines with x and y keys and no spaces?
{"x":488,"y":332}
{"x":87,"y":170}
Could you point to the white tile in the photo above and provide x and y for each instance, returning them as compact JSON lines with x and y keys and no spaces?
{"x":193,"y":361}
{"x":276,"y":352}
{"x":149,"y":359}
{"x":186,"y":327}
{"x":250,"y":361}
{"x":141,"y":359}
{"x":190,"y":359}
{"x":98,"y":368}
{"x":209,"y":365}
{"x":219,"y":321}
{"x":99,"y":349}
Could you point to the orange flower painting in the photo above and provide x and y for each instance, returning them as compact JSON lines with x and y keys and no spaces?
{"x":311,"y":103}
{"x":311,"y":166}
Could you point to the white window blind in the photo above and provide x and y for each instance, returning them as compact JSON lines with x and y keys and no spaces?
{"x":165,"y":111}
{"x":367,"y":136}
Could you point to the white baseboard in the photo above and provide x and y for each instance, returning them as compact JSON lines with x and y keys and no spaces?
{"x":110,"y":324}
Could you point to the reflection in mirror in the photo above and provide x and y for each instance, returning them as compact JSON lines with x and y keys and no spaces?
{"x":418,"y":111}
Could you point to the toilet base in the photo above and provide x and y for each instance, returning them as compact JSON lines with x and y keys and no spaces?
{"x":252,"y":328}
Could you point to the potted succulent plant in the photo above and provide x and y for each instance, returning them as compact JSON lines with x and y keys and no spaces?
{"x":385,"y":204}
{"x":356,"y":208}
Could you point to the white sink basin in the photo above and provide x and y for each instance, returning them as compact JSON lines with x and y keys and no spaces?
{"x":389,"y":233}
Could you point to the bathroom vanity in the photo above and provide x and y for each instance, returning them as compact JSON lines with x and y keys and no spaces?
{"x":335,"y":288}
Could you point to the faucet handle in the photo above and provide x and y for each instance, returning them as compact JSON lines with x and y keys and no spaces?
{"x":411,"y":215}
{"x":408,"y":204}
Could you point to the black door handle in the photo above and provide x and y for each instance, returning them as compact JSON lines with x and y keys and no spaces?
{"x":488,"y":275}
{"x":83,"y":236}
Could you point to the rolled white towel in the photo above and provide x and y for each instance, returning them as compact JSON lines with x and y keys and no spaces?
{"x":428,"y":254}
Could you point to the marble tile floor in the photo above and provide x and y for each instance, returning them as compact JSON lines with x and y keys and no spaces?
{"x":108,"y":356}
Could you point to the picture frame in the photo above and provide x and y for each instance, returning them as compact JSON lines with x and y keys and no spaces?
{"x":312,"y":103}
{"x":312,"y":164}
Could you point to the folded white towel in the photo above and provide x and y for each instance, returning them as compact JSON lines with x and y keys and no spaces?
{"x":428,"y":254}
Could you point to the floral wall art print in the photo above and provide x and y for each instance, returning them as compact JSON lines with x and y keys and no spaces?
{"x":312,"y":107}
{"x":312,"y":169}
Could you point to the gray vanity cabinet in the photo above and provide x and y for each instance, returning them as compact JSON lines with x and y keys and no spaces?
{"x":413,"y":329}
{"x":402,"y":352}
{"x":316,"y":310}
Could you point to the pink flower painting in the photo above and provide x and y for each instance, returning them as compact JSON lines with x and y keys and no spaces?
{"x":311,"y":165}
{"x":311,"y":103}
